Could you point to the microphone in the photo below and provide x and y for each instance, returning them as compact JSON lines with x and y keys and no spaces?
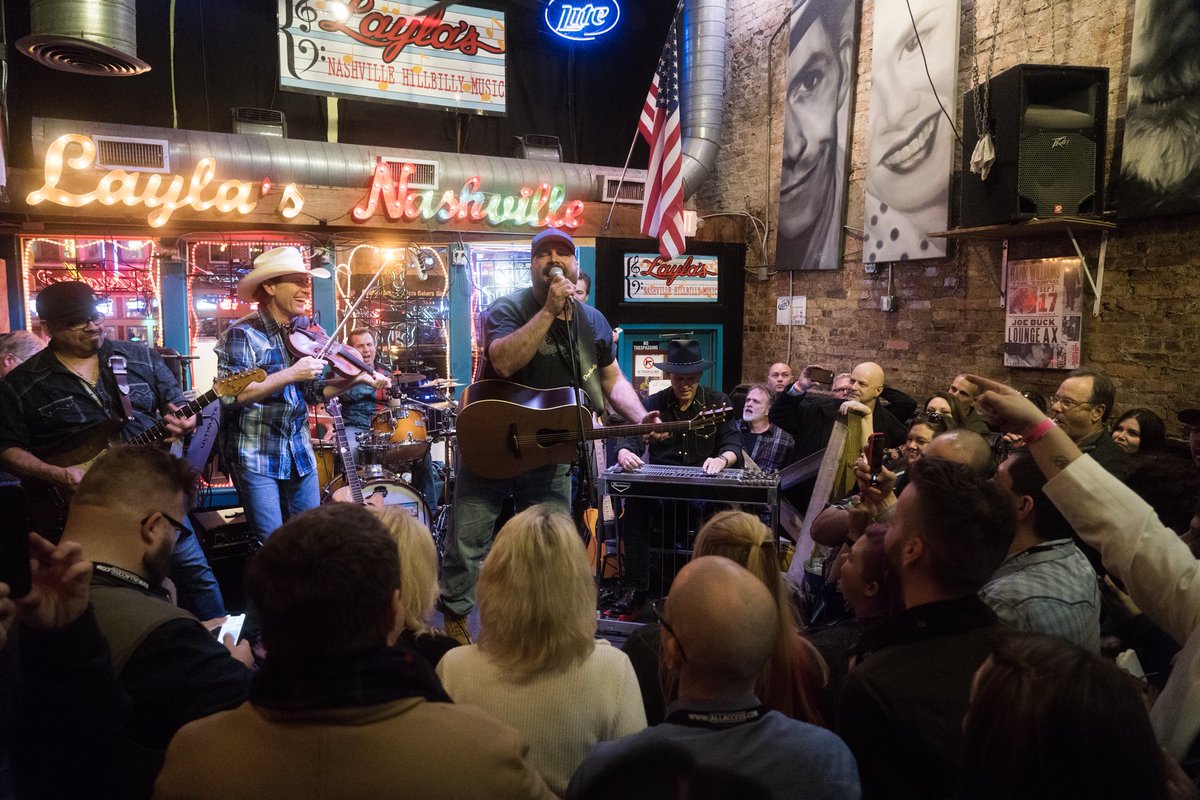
{"x":557,"y":272}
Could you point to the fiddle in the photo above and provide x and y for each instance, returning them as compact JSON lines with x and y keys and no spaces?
{"x":303,"y":340}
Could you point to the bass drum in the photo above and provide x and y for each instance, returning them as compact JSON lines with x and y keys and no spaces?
{"x":380,"y":492}
{"x":324,"y":453}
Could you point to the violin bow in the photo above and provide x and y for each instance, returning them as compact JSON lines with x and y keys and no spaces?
{"x":353,"y":307}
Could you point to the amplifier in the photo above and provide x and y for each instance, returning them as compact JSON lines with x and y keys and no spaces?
{"x":224,"y":533}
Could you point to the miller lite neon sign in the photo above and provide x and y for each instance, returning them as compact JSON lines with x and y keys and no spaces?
{"x":582,"y":20}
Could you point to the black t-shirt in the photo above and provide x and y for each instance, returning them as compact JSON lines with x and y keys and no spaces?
{"x":749,"y":439}
{"x":550,"y":366}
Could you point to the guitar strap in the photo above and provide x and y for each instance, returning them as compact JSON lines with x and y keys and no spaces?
{"x":116,"y":364}
{"x":588,"y":369}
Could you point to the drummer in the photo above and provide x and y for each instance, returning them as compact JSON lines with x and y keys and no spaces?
{"x":362,"y":402}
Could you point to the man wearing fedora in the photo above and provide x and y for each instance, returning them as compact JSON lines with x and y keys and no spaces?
{"x":72,"y":388}
{"x":264,"y":430}
{"x":712,"y":448}
{"x":528,"y":338}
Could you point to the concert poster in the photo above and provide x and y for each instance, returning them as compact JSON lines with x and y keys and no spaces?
{"x":1043,"y":319}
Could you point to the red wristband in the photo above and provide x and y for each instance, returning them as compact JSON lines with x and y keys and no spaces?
{"x":1038,"y":431}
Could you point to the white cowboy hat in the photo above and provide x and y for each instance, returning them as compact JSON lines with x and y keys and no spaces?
{"x":274,"y":263}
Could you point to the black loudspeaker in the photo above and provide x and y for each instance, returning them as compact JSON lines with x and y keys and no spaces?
{"x":1048,"y":124}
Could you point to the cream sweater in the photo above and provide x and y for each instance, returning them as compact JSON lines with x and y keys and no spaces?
{"x":561,"y":715}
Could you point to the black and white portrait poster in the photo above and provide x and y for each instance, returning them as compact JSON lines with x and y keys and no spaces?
{"x":1160,"y":160}
{"x":1043,"y":321}
{"x":822,"y":52}
{"x":910,"y":141}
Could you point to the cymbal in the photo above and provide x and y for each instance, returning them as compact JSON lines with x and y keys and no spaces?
{"x":442,"y":406}
{"x":446,"y":383}
{"x":407,"y":377}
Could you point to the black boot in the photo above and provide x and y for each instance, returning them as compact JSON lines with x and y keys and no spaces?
{"x":629,"y":602}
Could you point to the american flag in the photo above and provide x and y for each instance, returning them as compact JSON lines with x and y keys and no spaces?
{"x":662,"y":207}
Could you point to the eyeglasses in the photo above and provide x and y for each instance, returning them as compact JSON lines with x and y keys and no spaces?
{"x":659,"y":607}
{"x":1066,"y":402}
{"x":179,"y":527}
{"x":80,"y":324}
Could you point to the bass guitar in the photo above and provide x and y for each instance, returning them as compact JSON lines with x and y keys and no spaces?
{"x":506,"y":429}
{"x":48,"y":502}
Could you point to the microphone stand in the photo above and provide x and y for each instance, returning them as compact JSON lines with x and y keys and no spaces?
{"x":587,"y":463}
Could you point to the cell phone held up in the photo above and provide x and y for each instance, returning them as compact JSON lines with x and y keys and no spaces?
{"x":875,"y":447}
{"x":14,"y":542}
{"x":820,"y":375}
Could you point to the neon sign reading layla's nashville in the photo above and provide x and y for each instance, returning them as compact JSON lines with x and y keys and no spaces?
{"x":541,"y":207}
{"x":582,"y":21}
{"x":153,"y":190}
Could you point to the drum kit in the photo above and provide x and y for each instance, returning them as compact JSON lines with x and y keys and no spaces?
{"x":419,"y":414}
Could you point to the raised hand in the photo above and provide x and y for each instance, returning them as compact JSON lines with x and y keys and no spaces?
{"x":60,"y":586}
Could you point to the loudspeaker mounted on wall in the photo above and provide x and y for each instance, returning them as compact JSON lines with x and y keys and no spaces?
{"x":1048,"y":124}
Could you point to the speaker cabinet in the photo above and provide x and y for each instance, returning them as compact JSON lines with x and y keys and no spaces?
{"x":1048,"y":124}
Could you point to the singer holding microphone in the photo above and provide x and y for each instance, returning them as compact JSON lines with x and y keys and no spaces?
{"x":528,"y":338}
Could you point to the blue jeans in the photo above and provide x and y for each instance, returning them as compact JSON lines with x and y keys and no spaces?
{"x":477,"y":504}
{"x":198,"y":589}
{"x":270,"y":501}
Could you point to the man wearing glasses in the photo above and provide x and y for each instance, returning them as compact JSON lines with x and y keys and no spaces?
{"x":127,"y":515}
{"x":1081,"y":407}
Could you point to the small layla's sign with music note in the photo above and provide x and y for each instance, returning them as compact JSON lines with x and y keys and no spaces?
{"x":450,"y":57}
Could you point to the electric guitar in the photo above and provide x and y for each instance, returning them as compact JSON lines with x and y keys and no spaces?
{"x":506,"y":429}
{"x":48,"y":502}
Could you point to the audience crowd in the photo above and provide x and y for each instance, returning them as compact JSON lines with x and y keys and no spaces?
{"x":1008,"y":607}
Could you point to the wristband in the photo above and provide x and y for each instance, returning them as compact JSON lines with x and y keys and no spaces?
{"x":1038,"y":431}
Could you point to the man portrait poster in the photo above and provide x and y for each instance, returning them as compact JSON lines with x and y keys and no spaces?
{"x":822,"y":51}
{"x":910,"y":141}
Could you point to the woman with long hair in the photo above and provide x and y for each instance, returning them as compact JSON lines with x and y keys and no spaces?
{"x":538,"y":665}
{"x":1139,"y":430}
{"x":949,"y":407}
{"x":1050,"y":720}
{"x":793,"y":680}
{"x":418,"y":583}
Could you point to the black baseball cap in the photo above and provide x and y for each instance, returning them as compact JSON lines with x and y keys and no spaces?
{"x":67,"y":300}
{"x":1190,"y":416}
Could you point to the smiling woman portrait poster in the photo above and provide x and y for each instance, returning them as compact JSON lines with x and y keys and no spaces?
{"x":910,"y":141}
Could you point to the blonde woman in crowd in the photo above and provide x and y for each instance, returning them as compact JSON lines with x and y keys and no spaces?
{"x":418,"y":583}
{"x":538,"y":665}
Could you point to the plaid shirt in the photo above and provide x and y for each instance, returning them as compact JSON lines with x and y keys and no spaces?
{"x":1050,"y":588}
{"x":269,"y":438}
{"x":773,"y":449}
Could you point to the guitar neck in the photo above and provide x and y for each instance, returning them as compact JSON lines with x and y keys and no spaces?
{"x":616,"y":431}
{"x":158,"y":431}
{"x":334,"y":408}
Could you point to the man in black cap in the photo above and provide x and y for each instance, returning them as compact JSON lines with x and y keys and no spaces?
{"x":82,"y":385}
{"x":527,"y":339}
{"x":712,"y":448}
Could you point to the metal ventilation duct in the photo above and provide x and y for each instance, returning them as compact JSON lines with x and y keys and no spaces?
{"x":87,"y":37}
{"x":346,"y":165}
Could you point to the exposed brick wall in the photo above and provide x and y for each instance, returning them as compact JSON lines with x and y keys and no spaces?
{"x":949,"y":317}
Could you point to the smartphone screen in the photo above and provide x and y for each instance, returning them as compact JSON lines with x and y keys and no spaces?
{"x":14,"y":541}
{"x":233,"y":626}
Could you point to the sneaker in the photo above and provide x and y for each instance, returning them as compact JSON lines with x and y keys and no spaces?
{"x":455,"y":626}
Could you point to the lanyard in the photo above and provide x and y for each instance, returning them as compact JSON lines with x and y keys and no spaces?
{"x":715,"y":720}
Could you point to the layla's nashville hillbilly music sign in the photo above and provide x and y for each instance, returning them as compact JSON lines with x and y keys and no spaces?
{"x":650,"y":278}
{"x":451,"y":58}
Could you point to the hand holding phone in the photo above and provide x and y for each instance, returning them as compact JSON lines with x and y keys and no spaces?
{"x":820,"y":375}
{"x":875,"y":448}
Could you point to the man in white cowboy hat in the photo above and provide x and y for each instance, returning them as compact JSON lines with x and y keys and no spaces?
{"x":712,"y":448}
{"x":264,"y":430}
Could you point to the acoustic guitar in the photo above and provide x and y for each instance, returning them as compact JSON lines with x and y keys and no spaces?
{"x":506,"y":429}
{"x":48,"y":502}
